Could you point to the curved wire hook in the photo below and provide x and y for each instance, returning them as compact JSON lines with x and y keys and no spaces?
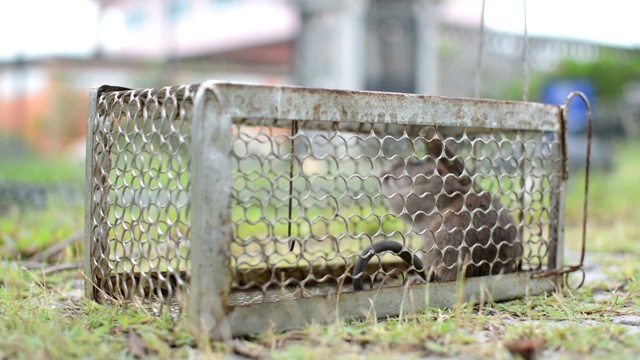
{"x":565,"y":115}
{"x":565,"y":277}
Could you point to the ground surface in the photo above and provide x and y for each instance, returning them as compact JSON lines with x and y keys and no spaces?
{"x":43,"y":313}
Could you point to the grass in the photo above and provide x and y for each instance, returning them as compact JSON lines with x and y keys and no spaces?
{"x":43,"y":170}
{"x":610,"y":195}
{"x":32,"y":327}
{"x":614,"y":220}
{"x":23,"y":234}
{"x":47,"y":316}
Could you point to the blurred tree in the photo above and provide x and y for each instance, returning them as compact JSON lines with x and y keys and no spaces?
{"x":609,"y":74}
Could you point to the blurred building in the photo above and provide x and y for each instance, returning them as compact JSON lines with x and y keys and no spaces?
{"x":147,"y":43}
{"x":249,"y":40}
{"x":416,"y":46}
{"x":369,"y":44}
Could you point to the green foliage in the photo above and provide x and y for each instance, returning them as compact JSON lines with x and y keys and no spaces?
{"x":24,"y":233}
{"x":20,"y":163}
{"x":617,"y":193}
{"x":513,"y":91}
{"x":614,"y":223}
{"x":43,"y":170}
{"x":609,"y":74}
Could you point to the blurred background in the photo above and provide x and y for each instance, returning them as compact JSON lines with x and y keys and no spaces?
{"x":53,"y":53}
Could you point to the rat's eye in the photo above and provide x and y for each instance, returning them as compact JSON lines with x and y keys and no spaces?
{"x":414,"y":162}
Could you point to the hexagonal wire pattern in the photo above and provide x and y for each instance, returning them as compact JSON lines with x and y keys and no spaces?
{"x":258,"y":195}
{"x":140,"y":189}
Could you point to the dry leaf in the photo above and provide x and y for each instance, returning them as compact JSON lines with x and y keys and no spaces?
{"x":528,"y":349}
{"x":136,"y":345}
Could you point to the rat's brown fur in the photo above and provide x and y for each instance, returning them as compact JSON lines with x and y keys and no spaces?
{"x":463,"y":228}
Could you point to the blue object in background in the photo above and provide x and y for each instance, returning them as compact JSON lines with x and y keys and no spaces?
{"x":556,"y":92}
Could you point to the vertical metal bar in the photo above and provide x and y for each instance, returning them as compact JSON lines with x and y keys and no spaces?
{"x":294,"y":132}
{"x":523,"y":186}
{"x":556,"y":250}
{"x":97,"y":205}
{"x":89,"y":203}
{"x":210,"y":214}
{"x":558,"y":181}
{"x":480,"y":48}
{"x":565,"y":115}
{"x":585,"y":208}
{"x":525,"y":57}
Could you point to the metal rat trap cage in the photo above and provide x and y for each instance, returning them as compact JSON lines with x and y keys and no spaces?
{"x":255,"y":202}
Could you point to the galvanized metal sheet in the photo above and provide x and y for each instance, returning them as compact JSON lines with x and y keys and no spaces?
{"x":381,"y":303}
{"x":251,"y":102}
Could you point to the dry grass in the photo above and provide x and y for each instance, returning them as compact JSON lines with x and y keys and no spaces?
{"x":47,"y":317}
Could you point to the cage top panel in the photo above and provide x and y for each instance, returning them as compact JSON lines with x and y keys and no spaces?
{"x":249,"y":103}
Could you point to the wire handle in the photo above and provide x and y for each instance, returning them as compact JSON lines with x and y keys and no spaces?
{"x":572,"y":268}
{"x":565,"y":114}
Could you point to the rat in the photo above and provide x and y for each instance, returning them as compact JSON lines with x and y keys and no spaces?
{"x":463,"y":227}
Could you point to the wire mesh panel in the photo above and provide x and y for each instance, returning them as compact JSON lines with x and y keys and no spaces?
{"x":139,"y":185}
{"x":291,"y":205}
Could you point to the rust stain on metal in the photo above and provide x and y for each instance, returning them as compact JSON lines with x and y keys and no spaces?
{"x":316,"y":110}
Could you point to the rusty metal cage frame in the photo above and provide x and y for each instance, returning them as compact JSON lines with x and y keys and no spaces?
{"x":214,"y":109}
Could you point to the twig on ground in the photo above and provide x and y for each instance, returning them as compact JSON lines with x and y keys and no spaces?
{"x":62,"y":267}
{"x":251,"y":351}
{"x":53,"y":268}
{"x":56,"y":248}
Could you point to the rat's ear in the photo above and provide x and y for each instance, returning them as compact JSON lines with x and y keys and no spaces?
{"x":430,"y":134}
{"x":448,"y":160}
